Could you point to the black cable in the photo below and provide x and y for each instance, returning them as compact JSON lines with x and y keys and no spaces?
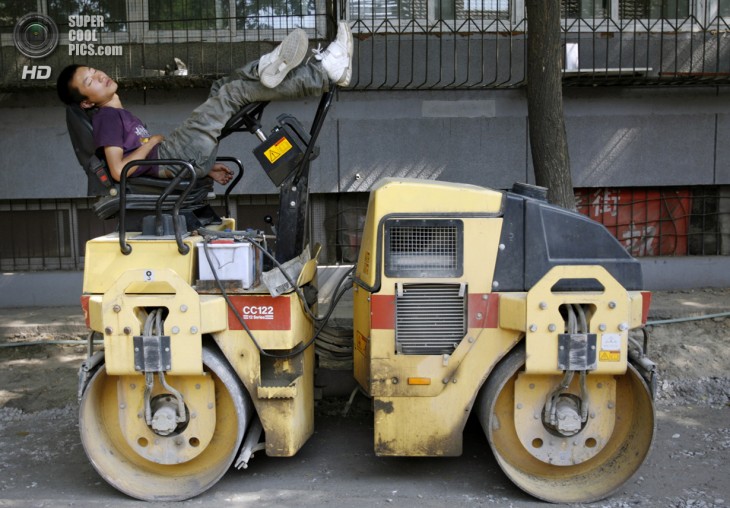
{"x":240,"y":319}
{"x":233,"y":234}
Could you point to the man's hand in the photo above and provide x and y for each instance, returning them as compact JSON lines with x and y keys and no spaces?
{"x":221,"y":173}
{"x":156,"y":139}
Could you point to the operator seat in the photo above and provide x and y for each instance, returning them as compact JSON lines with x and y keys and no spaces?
{"x":142,"y":192}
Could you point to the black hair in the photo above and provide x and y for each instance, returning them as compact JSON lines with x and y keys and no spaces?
{"x":67,"y":93}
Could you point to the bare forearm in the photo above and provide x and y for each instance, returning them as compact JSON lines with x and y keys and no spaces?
{"x":117,"y":161}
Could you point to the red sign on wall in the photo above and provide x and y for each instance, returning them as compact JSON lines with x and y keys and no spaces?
{"x":647,"y":222}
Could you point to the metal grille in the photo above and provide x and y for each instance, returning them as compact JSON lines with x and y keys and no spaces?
{"x":423,"y":248}
{"x":399,"y":44}
{"x":430,"y":318}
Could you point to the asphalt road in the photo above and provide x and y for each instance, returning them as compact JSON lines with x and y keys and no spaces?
{"x":42,"y":463}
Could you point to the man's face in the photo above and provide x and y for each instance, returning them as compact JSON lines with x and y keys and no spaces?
{"x":95,"y":85}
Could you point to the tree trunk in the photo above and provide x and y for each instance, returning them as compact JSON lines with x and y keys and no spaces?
{"x":545,"y":102}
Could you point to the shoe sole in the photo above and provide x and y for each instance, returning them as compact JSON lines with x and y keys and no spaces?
{"x":345,"y":80}
{"x":293,"y":50}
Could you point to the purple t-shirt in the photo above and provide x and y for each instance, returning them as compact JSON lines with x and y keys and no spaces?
{"x":119,"y":127}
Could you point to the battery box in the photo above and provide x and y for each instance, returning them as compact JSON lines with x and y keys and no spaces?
{"x":232,"y":261}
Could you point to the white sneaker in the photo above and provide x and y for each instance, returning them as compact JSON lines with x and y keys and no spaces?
{"x":274,"y":66}
{"x":337,"y":58}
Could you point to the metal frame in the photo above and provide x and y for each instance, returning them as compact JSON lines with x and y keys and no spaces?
{"x":394,"y":271}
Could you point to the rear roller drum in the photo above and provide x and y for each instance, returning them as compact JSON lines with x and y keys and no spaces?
{"x":181,"y":470}
{"x":595,"y":477}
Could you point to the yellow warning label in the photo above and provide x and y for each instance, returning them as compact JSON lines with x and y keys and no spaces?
{"x":277,"y":150}
{"x":361,"y":343}
{"x":609,"y":356}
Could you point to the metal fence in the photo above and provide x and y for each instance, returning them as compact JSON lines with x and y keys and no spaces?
{"x":400,"y":44}
{"x":51,"y":234}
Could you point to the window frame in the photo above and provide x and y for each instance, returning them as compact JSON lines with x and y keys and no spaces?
{"x":705,"y":13}
{"x":699,"y":10}
{"x":166,"y":36}
{"x":139,"y":31}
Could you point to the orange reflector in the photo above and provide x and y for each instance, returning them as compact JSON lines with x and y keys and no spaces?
{"x":419,"y":380}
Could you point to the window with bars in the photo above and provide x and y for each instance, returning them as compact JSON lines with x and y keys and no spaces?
{"x":171,"y":16}
{"x":275,"y":14}
{"x":189,"y":14}
{"x":627,"y":9}
{"x":655,"y":9}
{"x":585,"y":9}
{"x":430,"y":9}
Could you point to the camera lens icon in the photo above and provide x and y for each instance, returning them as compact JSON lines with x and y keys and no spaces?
{"x":35,"y":35}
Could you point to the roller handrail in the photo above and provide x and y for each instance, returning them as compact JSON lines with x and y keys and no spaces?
{"x":125,"y":248}
{"x":233,"y":183}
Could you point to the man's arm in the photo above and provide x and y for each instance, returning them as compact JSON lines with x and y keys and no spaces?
{"x":116,"y":161}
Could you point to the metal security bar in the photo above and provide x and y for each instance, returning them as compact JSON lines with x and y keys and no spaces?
{"x":46,"y":234}
{"x":399,"y":44}
{"x":153,"y":41}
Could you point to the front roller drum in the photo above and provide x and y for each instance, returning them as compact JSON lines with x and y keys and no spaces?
{"x":151,"y":478}
{"x":590,"y":480}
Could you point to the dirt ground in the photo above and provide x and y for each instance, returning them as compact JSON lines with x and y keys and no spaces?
{"x":38,"y":429}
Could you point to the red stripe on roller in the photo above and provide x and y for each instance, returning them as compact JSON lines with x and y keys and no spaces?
{"x":85,"y":307}
{"x":645,"y":303}
{"x":382,"y":312}
{"x":261,"y":312}
{"x":486,"y":305}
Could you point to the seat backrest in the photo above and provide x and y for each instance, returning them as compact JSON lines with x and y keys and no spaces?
{"x":80,"y":130}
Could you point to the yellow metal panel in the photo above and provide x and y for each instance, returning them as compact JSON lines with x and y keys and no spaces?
{"x":361,"y":339}
{"x":637,"y":309}
{"x":96,"y":315}
{"x":481,"y":244}
{"x":213,"y":314}
{"x":227,"y":224}
{"x":287,"y":412}
{"x":513,"y":311}
{"x":406,"y":195}
{"x":390,"y":371}
{"x":408,"y":423}
{"x":122,"y":315}
{"x":610,"y":319}
{"x":300,"y":330}
{"x":104,"y":262}
{"x":414,"y":196}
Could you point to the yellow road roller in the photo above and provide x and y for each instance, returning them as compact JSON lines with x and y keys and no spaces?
{"x":466,"y":300}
